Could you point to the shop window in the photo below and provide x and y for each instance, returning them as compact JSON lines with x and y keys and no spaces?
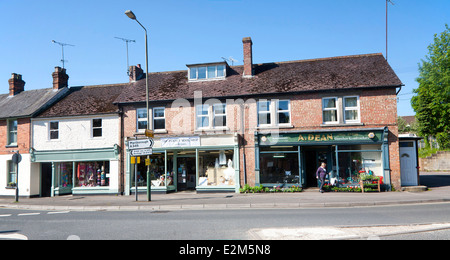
{"x":355,"y":164}
{"x":330,"y":110}
{"x":54,"y":130}
{"x":96,"y":127}
{"x":351,"y":109}
{"x":158,"y":178}
{"x":159,"y":118}
{"x":65,"y":177}
{"x":279,"y":167}
{"x":92,"y":174}
{"x":216,"y":168}
{"x":12,"y":132}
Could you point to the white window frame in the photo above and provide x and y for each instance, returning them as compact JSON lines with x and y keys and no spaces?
{"x":277,"y":112}
{"x":208,"y":77}
{"x":211,"y":117}
{"x":264,"y":112}
{"x":274,"y":112}
{"x":50,"y":130}
{"x":93,"y":128}
{"x":158,"y":118}
{"x":8,"y":131}
{"x":141,"y":119}
{"x":331,"y":109}
{"x":198,"y":116}
{"x":357,"y":108}
{"x":214,"y":114}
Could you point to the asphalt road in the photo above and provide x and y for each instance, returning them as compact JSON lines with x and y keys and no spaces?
{"x":218,"y":224}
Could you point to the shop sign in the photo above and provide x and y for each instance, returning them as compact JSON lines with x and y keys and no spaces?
{"x":365,"y":136}
{"x":180,"y":142}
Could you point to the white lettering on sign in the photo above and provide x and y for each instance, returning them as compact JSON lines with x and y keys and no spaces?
{"x":140,"y":144}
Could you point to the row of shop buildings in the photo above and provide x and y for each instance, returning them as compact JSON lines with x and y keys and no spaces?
{"x":217,"y":127}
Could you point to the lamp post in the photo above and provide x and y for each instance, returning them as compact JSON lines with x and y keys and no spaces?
{"x":132,"y":16}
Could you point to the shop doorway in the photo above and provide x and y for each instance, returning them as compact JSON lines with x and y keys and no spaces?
{"x":185,"y":173}
{"x":46,"y":179}
{"x":312,"y":158}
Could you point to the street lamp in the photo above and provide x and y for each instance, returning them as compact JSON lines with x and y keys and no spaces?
{"x":132,"y":16}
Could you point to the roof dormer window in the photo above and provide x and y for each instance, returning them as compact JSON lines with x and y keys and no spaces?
{"x":211,"y":71}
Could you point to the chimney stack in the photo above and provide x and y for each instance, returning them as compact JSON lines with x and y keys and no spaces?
{"x":248,"y":57}
{"x":136,"y":73}
{"x":16,"y":84}
{"x":60,"y":78}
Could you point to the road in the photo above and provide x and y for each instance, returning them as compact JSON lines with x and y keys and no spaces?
{"x":225,"y":224}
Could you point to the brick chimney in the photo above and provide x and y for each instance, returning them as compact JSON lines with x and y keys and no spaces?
{"x":248,"y":57}
{"x":16,"y":84}
{"x":136,"y":73}
{"x":60,"y":78}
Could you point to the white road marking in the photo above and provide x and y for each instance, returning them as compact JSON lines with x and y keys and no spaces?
{"x":58,"y":212}
{"x":4,"y":216}
{"x":29,"y":214}
{"x":13,"y":236}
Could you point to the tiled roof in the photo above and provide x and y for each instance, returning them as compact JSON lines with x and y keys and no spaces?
{"x":28,"y":103}
{"x":86,"y":100}
{"x":337,"y":73}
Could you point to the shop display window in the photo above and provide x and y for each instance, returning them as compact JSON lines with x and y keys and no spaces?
{"x":280,"y":166}
{"x":92,"y":174}
{"x":216,"y":168}
{"x":357,"y":165}
{"x":65,"y":175}
{"x":157,"y":168}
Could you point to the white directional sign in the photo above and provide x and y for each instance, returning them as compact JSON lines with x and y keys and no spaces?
{"x":142,"y":152}
{"x":140,"y":144}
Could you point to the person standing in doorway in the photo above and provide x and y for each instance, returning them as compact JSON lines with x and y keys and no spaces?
{"x":321,"y":174}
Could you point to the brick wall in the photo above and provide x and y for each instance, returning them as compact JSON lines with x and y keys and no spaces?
{"x":23,"y":137}
{"x":378,"y":109}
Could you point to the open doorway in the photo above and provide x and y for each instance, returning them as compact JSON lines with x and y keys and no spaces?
{"x":46,"y":179}
{"x":313,"y":156}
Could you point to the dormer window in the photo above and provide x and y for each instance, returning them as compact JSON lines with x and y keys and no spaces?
{"x":211,"y":71}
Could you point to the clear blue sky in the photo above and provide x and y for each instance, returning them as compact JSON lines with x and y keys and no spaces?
{"x":195,"y":31}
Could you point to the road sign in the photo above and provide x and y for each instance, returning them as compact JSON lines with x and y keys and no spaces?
{"x":142,"y":152}
{"x":140,"y":144}
{"x":149,"y":133}
{"x":16,"y":158}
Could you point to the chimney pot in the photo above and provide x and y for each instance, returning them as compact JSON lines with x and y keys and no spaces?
{"x":16,"y":84}
{"x":248,"y":57}
{"x":136,"y":73}
{"x":60,"y":78}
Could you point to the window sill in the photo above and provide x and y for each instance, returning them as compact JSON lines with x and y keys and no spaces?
{"x":210,"y":130}
{"x":10,"y":188}
{"x":11,"y":146}
{"x":341,"y":125}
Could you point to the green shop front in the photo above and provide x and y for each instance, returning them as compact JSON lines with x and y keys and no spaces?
{"x":78,"y":172}
{"x":203,"y":163}
{"x":292,"y":158}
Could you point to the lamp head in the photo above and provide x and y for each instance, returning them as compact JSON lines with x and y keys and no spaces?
{"x":130,"y":14}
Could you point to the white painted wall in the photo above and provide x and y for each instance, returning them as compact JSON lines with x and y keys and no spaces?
{"x":29,"y":177}
{"x":75,"y":133}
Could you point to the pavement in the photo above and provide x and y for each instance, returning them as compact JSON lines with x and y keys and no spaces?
{"x":438,"y":192}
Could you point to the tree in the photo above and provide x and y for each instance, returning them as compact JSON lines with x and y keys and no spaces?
{"x":432,"y":102}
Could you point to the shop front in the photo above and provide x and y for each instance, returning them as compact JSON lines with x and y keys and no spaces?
{"x":78,"y":172}
{"x":292,"y":158}
{"x":208,"y":163}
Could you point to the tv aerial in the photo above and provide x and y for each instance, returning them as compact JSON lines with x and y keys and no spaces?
{"x":126,"y":41}
{"x":62,"y":47}
{"x":230,"y":59}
